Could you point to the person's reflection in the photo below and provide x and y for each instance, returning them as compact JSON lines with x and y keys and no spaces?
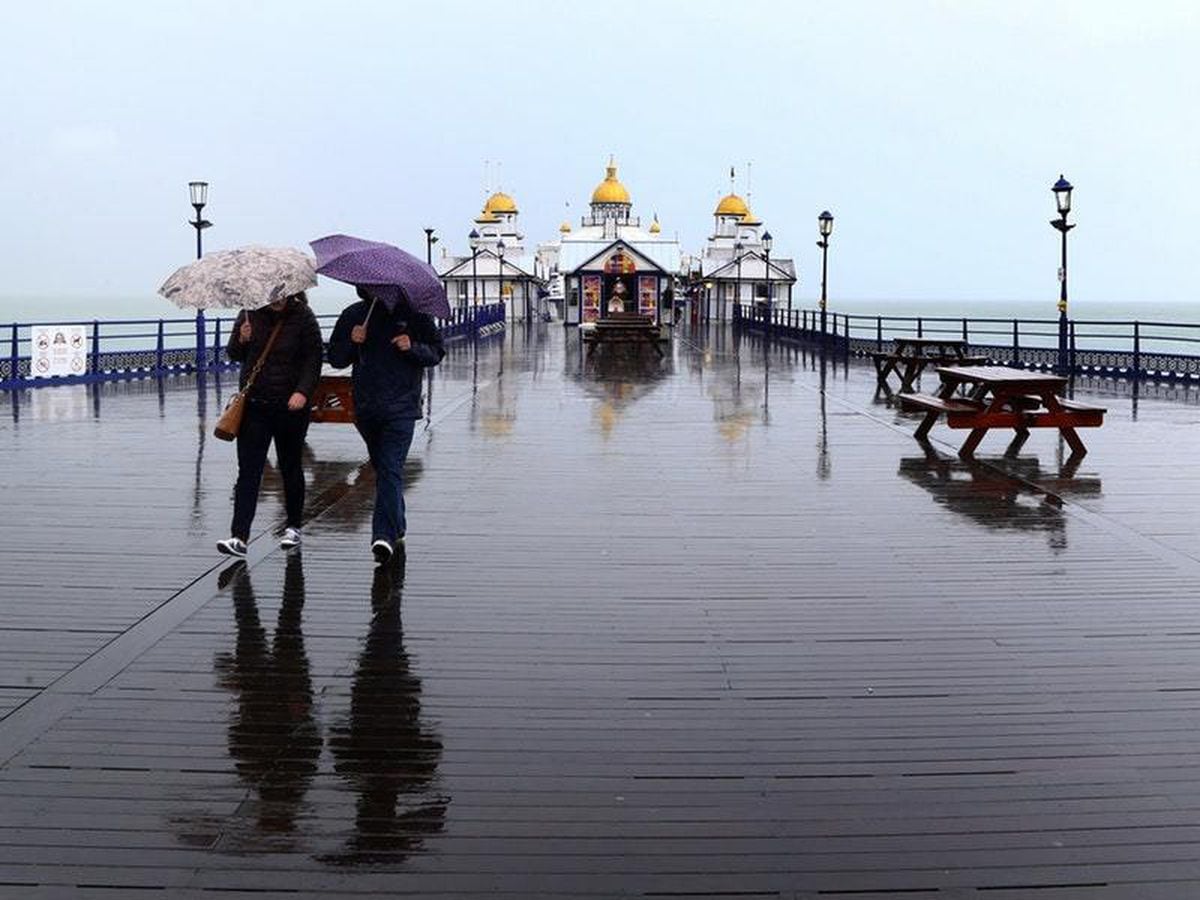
{"x":383,"y":751}
{"x":273,"y":737}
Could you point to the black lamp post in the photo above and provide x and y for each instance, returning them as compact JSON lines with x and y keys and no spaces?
{"x":767,"y":241}
{"x":1062,"y":198}
{"x":825,"y":229}
{"x":473,"y":239}
{"x":500,"y":248}
{"x":430,"y":240}
{"x":738,"y":247}
{"x":198,"y":191}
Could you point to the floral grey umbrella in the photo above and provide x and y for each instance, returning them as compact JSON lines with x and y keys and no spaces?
{"x":246,"y":278}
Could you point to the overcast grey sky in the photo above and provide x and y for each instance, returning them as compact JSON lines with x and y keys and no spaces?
{"x":933,"y":131}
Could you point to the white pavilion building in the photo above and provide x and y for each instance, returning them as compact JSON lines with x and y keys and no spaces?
{"x":609,"y":263}
{"x":737,"y":265}
{"x":497,"y":267}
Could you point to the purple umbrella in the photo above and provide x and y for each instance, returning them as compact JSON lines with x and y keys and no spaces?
{"x":386,"y":272}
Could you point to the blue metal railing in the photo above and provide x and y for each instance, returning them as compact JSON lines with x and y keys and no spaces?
{"x":1164,"y":351}
{"x":127,"y":349}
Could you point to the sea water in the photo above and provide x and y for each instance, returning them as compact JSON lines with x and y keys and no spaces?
{"x":1038,"y":317}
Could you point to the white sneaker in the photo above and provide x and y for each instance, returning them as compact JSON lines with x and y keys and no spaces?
{"x":290,"y":539}
{"x":232,"y":547}
{"x":382,"y":551}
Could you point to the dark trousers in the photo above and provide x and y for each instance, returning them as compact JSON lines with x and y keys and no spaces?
{"x":261,"y":424}
{"x":387,"y":439}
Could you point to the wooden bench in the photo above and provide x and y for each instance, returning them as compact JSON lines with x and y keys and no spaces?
{"x":937,"y":404}
{"x":908,"y":360}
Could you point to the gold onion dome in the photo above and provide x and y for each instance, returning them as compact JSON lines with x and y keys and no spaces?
{"x":610,"y":190}
{"x":500,"y":202}
{"x":565,"y":227}
{"x":655,"y":228}
{"x":732,"y":205}
{"x":749,"y":218}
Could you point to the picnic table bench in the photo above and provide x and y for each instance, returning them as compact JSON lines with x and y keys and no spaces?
{"x":624,"y":328}
{"x":909,"y":357}
{"x":1000,"y":397}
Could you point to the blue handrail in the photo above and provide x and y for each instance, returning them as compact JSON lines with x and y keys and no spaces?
{"x":127,"y":349}
{"x":1137,"y":349}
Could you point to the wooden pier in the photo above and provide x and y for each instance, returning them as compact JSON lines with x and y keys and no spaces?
{"x":712,"y":628}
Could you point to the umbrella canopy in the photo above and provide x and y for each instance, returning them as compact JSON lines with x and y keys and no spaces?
{"x":246,"y":278}
{"x":386,"y":272}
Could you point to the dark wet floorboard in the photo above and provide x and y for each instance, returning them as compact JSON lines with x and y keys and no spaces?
{"x":710,"y":632}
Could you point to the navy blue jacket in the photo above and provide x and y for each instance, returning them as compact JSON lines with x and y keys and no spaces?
{"x":387,"y":381}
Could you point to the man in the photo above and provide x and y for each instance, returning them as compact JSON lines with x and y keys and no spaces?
{"x":390,"y":351}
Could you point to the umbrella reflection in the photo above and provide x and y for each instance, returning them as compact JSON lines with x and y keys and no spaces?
{"x":273,"y":736}
{"x":383,"y":751}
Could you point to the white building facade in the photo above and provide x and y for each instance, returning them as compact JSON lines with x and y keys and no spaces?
{"x":497,"y":267}
{"x":738,"y":266}
{"x":609,"y":263}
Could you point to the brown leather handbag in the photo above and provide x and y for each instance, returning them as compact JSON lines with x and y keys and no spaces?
{"x":230,"y":420}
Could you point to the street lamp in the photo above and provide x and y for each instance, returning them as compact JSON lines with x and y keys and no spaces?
{"x":825,"y":229}
{"x":738,"y":247}
{"x":473,"y":239}
{"x":198,"y":190}
{"x":500,"y":248}
{"x":430,"y":240}
{"x":1062,"y":199}
{"x":766,"y":243}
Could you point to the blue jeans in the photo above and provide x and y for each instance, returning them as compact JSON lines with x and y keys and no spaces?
{"x":388,"y":440}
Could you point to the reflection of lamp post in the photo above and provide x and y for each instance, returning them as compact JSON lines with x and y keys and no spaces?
{"x":708,"y":286}
{"x":738,"y":247}
{"x":430,"y":240}
{"x":199,"y":196}
{"x":473,"y":239}
{"x":766,"y":243}
{"x":824,"y":228}
{"x":1062,"y":198}
{"x":500,"y":248}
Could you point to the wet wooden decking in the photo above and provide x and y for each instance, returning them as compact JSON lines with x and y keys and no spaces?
{"x":718,"y":628}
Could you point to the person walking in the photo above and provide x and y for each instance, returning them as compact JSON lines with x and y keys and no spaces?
{"x":389,"y":349}
{"x":277,"y":409}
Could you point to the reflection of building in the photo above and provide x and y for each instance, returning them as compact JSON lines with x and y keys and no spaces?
{"x":610,"y":263}
{"x":487,"y":275}
{"x":734,"y":264}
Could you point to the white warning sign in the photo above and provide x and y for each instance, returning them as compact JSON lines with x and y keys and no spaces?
{"x":58,"y":350}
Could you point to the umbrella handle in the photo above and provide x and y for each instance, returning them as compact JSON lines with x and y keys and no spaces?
{"x":370,"y":310}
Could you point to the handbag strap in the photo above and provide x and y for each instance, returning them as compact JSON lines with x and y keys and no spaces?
{"x":262,"y":357}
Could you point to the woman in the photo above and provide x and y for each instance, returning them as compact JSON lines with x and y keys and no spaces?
{"x":277,"y":409}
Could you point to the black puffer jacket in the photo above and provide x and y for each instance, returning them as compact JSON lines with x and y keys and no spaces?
{"x":294,"y":363}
